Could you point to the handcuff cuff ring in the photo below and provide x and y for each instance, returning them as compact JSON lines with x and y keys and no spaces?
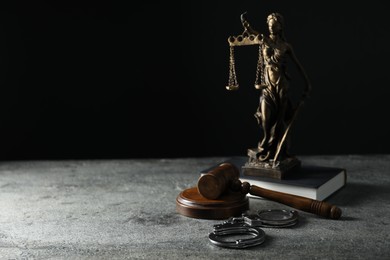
{"x":221,"y":233}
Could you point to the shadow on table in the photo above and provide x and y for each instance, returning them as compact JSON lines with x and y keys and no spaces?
{"x":301,"y":222}
{"x":358,"y":194}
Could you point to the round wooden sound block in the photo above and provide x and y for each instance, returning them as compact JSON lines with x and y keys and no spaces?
{"x":191,"y":204}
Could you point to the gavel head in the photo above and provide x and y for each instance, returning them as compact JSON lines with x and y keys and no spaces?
{"x":214,"y":183}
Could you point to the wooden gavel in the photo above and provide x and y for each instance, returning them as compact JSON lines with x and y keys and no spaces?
{"x":226,"y":176}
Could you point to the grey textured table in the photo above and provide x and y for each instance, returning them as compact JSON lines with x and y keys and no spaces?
{"x":125,"y":209}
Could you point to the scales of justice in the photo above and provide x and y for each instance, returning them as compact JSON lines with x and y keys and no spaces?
{"x":275,"y":113}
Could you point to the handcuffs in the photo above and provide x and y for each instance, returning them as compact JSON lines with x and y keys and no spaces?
{"x":250,"y":225}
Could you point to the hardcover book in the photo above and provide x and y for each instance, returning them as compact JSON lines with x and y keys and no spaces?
{"x":314,"y":182}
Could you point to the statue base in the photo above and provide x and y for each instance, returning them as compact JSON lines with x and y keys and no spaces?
{"x":276,"y":170}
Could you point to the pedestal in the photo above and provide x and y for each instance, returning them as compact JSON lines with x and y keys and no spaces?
{"x":278,"y":170}
{"x":191,"y":204}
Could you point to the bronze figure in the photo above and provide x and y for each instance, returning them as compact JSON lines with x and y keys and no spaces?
{"x":275,"y":113}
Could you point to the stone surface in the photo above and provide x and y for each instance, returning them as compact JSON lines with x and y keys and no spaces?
{"x":125,"y":209}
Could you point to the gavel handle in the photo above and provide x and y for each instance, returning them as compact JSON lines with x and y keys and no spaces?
{"x":320,"y":208}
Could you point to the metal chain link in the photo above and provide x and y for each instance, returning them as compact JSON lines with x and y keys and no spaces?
{"x":233,"y":83}
{"x":260,"y":69}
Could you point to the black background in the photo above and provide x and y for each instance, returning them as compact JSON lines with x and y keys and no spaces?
{"x":127,"y":80}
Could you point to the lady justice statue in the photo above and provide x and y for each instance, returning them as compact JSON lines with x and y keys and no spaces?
{"x":275,"y":113}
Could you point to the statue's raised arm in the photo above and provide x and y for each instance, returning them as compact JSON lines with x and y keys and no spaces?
{"x":247,"y":27}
